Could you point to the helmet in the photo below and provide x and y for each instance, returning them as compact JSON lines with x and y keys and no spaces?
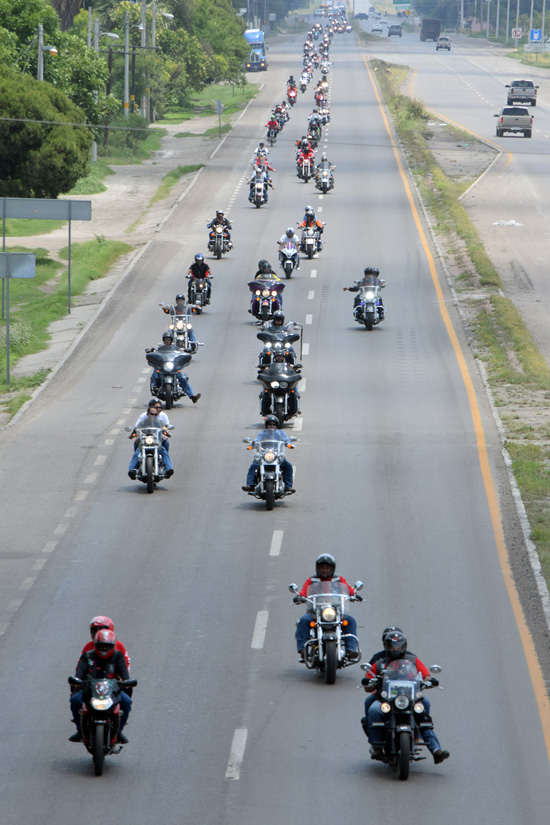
{"x":199,"y":257}
{"x":390,"y":629}
{"x":104,"y":643}
{"x":153,"y":402}
{"x":271,"y":419}
{"x":325,"y":558}
{"x":314,"y":112}
{"x":290,"y":232}
{"x":261,"y":143}
{"x":101,"y":622}
{"x":291,"y":77}
{"x":305,"y":144}
{"x":324,"y":156}
{"x":310,"y":213}
{"x":395,"y":644}
{"x":218,"y":213}
{"x":264,"y":266}
{"x":168,"y":333}
{"x":278,"y":318}
{"x":371,"y":270}
{"x":180,"y":297}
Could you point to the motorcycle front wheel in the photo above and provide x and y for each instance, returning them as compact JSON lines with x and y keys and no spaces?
{"x":149,"y":474}
{"x":169,"y":398}
{"x":99,"y":755}
{"x":218,"y":252}
{"x":404,"y":757}
{"x":288,"y":271}
{"x":369,"y":320}
{"x":310,"y":251}
{"x":279,"y":412}
{"x":269,"y":494}
{"x":330,"y":661}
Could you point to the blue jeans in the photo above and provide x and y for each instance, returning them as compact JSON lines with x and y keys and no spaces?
{"x":375,"y":735}
{"x":286,"y":467}
{"x":182,"y":381}
{"x":163,"y":454}
{"x":302,"y":631}
{"x":76,"y":704}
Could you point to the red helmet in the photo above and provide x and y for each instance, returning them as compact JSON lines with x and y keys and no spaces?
{"x":100,"y":623}
{"x":104,"y":643}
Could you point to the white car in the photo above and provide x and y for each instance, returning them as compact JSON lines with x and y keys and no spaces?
{"x":376,"y":27}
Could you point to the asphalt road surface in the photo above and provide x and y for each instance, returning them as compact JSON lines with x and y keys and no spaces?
{"x":227,"y":727}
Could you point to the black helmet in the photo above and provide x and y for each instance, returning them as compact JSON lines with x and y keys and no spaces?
{"x":278,"y":315}
{"x":371,"y":270}
{"x":291,"y":77}
{"x":199,"y":257}
{"x":310,"y":213}
{"x":153,"y":402}
{"x":395,"y":644}
{"x":264,"y":266}
{"x":271,"y":419}
{"x":325,"y":558}
{"x":305,"y":144}
{"x":168,"y":333}
{"x":180,"y":297}
{"x":390,"y":629}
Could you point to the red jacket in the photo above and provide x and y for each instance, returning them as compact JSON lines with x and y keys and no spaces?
{"x":341,"y":579}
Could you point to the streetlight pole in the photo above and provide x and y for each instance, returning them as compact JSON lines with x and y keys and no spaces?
{"x":40,"y":70}
{"x":126,"y":64}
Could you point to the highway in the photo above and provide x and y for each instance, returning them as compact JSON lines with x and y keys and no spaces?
{"x":227,"y":728}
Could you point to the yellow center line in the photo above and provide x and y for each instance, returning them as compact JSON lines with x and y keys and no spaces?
{"x":533,"y":665}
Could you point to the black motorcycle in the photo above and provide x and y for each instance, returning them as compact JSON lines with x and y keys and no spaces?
{"x":280,"y":395}
{"x":100,"y":716}
{"x":399,"y":690}
{"x":277,"y":342}
{"x":265,"y":299}
{"x":200,"y":290}
{"x":167,"y":362}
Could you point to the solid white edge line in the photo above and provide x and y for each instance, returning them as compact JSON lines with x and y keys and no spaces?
{"x":276,"y":542}
{"x":260,"y":628}
{"x":236,"y":754}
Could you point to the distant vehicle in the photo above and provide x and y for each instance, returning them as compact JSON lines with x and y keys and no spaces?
{"x":362,"y":16}
{"x":522,"y":91}
{"x":430,"y":29}
{"x":395,"y":29}
{"x":371,"y":9}
{"x":377,"y":28}
{"x":257,"y":59}
{"x":514,"y":119}
{"x":384,"y":21}
{"x":443,"y":42}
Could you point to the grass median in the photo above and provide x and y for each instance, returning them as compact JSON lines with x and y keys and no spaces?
{"x":517,"y":373}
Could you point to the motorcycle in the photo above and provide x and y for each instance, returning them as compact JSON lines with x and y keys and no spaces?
{"x":200,"y":290}
{"x":258,"y":191}
{"x":291,"y":95}
{"x":271,"y":136}
{"x":275,"y":342}
{"x":279,"y":395}
{"x":325,"y":650}
{"x":218,"y":241}
{"x":314,"y":136}
{"x":265,"y":298}
{"x":288,"y":258}
{"x":100,"y":716}
{"x":400,"y":689}
{"x":304,"y":169}
{"x":269,"y":483}
{"x":324,"y":114}
{"x":324,"y":179}
{"x":181,"y":327}
{"x":167,"y":362}
{"x":303,"y":84}
{"x":368,"y":309}
{"x":310,"y":241}
{"x":325,"y":65}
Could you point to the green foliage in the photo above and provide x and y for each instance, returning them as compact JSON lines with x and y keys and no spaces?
{"x":39,"y":159}
{"x":221,"y":33}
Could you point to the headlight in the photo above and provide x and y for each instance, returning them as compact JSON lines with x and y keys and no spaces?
{"x":369,"y":296}
{"x":171,"y":326}
{"x":274,"y":385}
{"x":274,"y":293}
{"x":419,"y":707}
{"x":101,"y":704}
{"x":179,"y":325}
{"x":402,"y":702}
{"x":219,"y":229}
{"x":189,"y":326}
{"x":328,"y":614}
{"x":269,"y":457}
{"x":283,"y":385}
{"x":258,"y":292}
{"x":149,"y":441}
{"x":385,"y":707}
{"x":169,"y":365}
{"x":265,"y":293}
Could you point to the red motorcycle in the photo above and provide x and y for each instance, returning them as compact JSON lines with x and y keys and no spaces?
{"x":291,"y":95}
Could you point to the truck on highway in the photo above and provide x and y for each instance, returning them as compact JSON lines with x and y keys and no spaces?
{"x":257,"y":58}
{"x":522,"y":91}
{"x":430,"y":28}
{"x":514,"y":119}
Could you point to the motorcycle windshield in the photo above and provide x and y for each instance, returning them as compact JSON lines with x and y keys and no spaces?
{"x":329,"y":592}
{"x":277,"y":372}
{"x":277,"y":337}
{"x":167,"y":355}
{"x":271,"y":446}
{"x":401,"y":677}
{"x":266,"y":283}
{"x":290,"y":248}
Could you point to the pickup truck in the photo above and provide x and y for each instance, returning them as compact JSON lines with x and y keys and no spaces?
{"x":515,"y":119}
{"x":522,"y":91}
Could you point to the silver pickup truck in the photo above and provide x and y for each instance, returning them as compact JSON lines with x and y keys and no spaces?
{"x":522,"y":91}
{"x":515,"y":119}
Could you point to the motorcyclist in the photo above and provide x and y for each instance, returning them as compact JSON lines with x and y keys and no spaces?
{"x":290,"y":236}
{"x":180,"y":309}
{"x":310,"y":221}
{"x":220,"y":220}
{"x":168,"y":341}
{"x":272,"y":124}
{"x":199,"y":269}
{"x":306,"y":152}
{"x":154,"y":417}
{"x":370,"y":278}
{"x":265,"y":271}
{"x":261,"y":149}
{"x":277,"y":325}
{"x":291,"y":83}
{"x":325,"y":567}
{"x":395,"y":647}
{"x":263,"y":175}
{"x":271,"y":433}
{"x":105,"y":623}
{"x":103,"y":662}
{"x":325,"y":164}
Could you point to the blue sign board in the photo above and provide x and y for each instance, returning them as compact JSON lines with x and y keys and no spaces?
{"x":535,"y":35}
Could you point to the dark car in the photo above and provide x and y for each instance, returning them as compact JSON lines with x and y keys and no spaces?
{"x":395,"y":28}
{"x":361,"y":16}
